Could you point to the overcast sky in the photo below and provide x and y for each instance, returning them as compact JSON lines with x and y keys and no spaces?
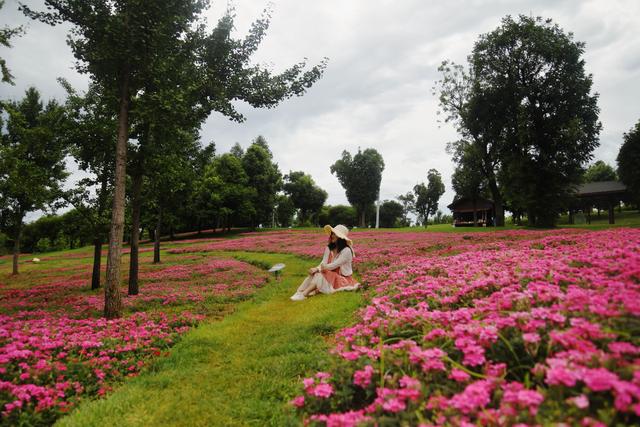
{"x":376,"y":91}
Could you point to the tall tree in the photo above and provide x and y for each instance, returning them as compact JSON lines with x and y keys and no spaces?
{"x":600,"y":171}
{"x":201,"y":205}
{"x":530,"y":100}
{"x":391,"y":213}
{"x":478,"y":148}
{"x":408,"y":202}
{"x":427,"y":196}
{"x":6,"y":34}
{"x":468,"y":180}
{"x":118,"y":44}
{"x":628,"y":160}
{"x":264,"y":177}
{"x":531,"y":76}
{"x":91,"y":137}
{"x":306,"y":196}
{"x":170,"y":178}
{"x":285,"y":210}
{"x":32,"y":168}
{"x":235,"y":193}
{"x":360,"y":176}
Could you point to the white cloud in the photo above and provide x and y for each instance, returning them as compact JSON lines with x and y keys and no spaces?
{"x":376,"y":91}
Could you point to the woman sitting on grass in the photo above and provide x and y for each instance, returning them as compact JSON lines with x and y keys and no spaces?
{"x":334,"y":272}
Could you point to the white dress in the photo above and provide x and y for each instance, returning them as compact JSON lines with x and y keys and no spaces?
{"x":332,"y":271}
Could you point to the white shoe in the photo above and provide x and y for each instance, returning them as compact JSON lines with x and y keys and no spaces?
{"x":298,"y":296}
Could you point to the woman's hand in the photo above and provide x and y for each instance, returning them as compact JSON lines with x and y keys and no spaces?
{"x":313,"y":271}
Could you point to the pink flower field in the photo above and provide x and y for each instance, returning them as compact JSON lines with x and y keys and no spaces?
{"x":520,"y":328}
{"x":496,"y":328}
{"x":56,"y":350}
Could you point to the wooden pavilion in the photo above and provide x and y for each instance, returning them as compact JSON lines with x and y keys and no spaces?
{"x":603,"y":195}
{"x":470,"y":212}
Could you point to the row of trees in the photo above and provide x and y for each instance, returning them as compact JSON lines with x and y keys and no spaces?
{"x":156,"y":74}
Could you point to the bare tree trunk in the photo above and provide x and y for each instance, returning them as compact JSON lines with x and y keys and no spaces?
{"x":156,"y":244}
{"x":362,"y":222}
{"x":112,"y":297}
{"x":97,"y":259}
{"x":16,"y":245}
{"x":135,"y":234}
{"x":497,"y":202}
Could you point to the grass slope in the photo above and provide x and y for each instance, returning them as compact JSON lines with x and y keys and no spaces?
{"x":239,"y":371}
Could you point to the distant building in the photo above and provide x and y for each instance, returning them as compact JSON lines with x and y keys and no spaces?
{"x":605,"y":195}
{"x":469,"y":212}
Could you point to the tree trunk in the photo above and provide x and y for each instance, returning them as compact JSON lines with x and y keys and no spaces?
{"x":135,"y":233}
{"x":16,"y":245}
{"x":112,"y":297}
{"x":156,"y":244}
{"x":611,"y":215}
{"x":97,"y":259}
{"x":362,"y":222}
{"x":497,"y":202}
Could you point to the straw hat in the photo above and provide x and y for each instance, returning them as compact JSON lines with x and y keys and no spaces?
{"x":339,"y":230}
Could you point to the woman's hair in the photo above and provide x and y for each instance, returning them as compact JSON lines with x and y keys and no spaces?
{"x":339,"y":244}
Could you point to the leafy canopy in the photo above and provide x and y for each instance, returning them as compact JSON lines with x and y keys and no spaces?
{"x":628,"y":160}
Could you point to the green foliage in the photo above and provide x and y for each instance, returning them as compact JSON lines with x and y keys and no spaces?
{"x":468,"y":179}
{"x":235,"y":194}
{"x":542,"y":108}
{"x":264,"y":177}
{"x":408,"y":202}
{"x":526,"y":106}
{"x":32,"y":154}
{"x":600,"y":171}
{"x":306,"y":196}
{"x":285,"y":210}
{"x":6,"y":34}
{"x":339,"y":214}
{"x":391,"y":214}
{"x":360,"y":176}
{"x":628,"y":160}
{"x":427,"y":196}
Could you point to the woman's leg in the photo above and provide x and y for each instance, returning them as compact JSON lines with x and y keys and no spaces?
{"x":311,"y":287}
{"x":305,"y":284}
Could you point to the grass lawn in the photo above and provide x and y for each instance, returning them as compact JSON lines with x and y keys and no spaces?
{"x":239,"y":371}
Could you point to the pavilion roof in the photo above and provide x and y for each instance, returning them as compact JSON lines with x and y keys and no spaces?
{"x":600,"y":188}
{"x":465,"y":204}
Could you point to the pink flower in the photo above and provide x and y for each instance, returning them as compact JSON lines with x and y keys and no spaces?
{"x":323,"y":376}
{"x":362,"y":377}
{"x":531,"y":337}
{"x":580,"y":401}
{"x":459,"y":375}
{"x":474,"y":397}
{"x":298,"y":401}
{"x":559,"y":375}
{"x":599,"y":379}
{"x":322,"y":390}
{"x":394,"y":405}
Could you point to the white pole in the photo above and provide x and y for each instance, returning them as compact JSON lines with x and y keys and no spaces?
{"x":378,"y":214}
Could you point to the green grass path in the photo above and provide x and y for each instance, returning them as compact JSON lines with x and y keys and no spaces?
{"x":236,"y":372}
